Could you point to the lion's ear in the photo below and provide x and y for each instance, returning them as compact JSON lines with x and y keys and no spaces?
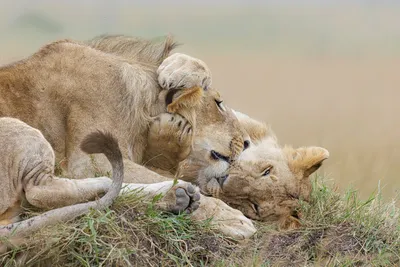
{"x":184,"y":102}
{"x":306,"y":159}
{"x":185,"y":99}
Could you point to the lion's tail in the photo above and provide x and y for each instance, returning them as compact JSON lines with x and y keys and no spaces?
{"x":99,"y":142}
{"x":96,"y":142}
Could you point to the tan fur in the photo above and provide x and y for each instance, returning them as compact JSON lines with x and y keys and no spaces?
{"x":256,"y":130}
{"x":27,"y":172}
{"x":191,"y":97}
{"x":173,"y":145}
{"x":145,"y":51}
{"x":273,"y":197}
{"x":69,"y":89}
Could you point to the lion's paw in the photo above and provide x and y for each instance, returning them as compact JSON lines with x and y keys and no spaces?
{"x":173,"y":127}
{"x":226,"y":219}
{"x":180,"y":71}
{"x":169,"y":141}
{"x":184,"y":197}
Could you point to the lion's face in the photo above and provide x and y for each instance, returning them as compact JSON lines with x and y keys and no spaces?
{"x":218,"y":141}
{"x":267,"y":182}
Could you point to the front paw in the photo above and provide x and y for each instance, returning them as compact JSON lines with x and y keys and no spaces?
{"x":180,"y":71}
{"x":182,"y":198}
{"x":226,"y":219}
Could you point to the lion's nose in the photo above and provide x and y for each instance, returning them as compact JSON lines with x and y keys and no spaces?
{"x":218,"y":156}
{"x":246,"y":144}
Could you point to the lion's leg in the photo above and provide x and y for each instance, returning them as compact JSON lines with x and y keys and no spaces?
{"x":177,"y":197}
{"x":52,"y":192}
{"x":226,"y":219}
{"x":169,"y":142}
{"x":184,"y":197}
{"x":180,"y":71}
{"x":79,"y":164}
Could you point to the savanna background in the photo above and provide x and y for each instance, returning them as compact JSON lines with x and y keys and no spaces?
{"x":323,"y":73}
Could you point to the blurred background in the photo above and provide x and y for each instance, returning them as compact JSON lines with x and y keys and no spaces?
{"x":323,"y":73}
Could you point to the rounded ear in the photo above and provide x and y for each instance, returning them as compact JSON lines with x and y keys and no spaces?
{"x":305,"y":159}
{"x":184,"y":102}
{"x":184,"y":99}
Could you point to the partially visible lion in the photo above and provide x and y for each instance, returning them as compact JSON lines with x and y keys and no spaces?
{"x":69,"y":89}
{"x":266,"y":183}
{"x":27,"y":174}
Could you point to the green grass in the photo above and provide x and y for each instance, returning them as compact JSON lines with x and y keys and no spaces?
{"x":338,"y":230}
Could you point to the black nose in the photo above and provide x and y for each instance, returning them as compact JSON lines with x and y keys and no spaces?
{"x":246,"y":144}
{"x":217,"y":156}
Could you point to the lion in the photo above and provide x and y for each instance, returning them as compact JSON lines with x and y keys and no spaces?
{"x":266,"y":183}
{"x":69,"y":89}
{"x":174,"y":149}
{"x":27,"y":174}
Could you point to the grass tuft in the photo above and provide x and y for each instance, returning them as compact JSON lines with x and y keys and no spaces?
{"x":338,"y":230}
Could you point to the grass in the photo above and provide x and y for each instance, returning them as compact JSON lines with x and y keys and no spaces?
{"x":338,"y":230}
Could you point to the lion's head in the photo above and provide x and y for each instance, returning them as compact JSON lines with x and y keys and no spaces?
{"x":218,"y":136}
{"x":267,"y":182}
{"x":204,"y":144}
{"x":218,"y":139}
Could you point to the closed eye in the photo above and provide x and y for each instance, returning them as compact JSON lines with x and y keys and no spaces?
{"x":267,"y":171}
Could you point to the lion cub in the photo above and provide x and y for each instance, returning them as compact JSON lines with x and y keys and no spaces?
{"x":267,"y":181}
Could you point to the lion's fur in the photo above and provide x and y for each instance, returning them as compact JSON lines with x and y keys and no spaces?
{"x":27,"y":173}
{"x":69,"y":89}
{"x":63,"y":90}
{"x":273,"y":197}
{"x":152,"y":52}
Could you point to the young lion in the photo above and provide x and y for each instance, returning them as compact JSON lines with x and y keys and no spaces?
{"x":69,"y":89}
{"x":267,"y":181}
